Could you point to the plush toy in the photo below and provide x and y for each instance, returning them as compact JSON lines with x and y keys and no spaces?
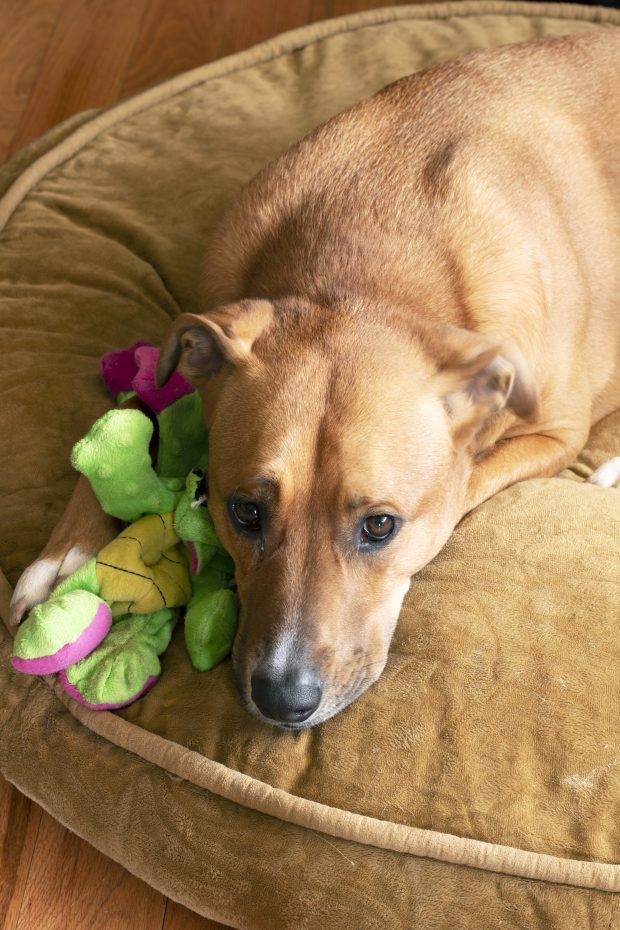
{"x":104,"y":628}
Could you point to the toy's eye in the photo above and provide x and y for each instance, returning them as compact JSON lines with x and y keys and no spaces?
{"x":377,"y":528}
{"x":201,"y":496}
{"x":246,"y":515}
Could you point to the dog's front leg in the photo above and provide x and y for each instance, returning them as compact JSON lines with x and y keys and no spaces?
{"x":512,"y":460}
{"x":608,"y":475}
{"x":81,"y":532}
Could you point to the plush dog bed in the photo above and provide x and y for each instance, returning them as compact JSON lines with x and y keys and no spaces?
{"x":477,"y":784}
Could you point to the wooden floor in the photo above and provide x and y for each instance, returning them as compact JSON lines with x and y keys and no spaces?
{"x":58,"y":57}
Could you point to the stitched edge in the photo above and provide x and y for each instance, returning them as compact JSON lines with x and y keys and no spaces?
{"x":369,"y":831}
{"x":271,"y":49}
{"x":191,"y":766}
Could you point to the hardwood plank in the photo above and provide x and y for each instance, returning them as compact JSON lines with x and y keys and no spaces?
{"x":19,"y":828}
{"x":26,"y":27}
{"x":84,"y":64}
{"x":175,"y":37}
{"x":180,"y":918}
{"x":72,"y":885}
{"x":248,"y":23}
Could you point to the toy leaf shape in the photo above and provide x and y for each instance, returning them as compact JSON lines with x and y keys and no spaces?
{"x":125,"y":665}
{"x":114,"y":456}
{"x":194,"y":525}
{"x":210,"y":626}
{"x":144,"y":568}
{"x":60,"y":631}
{"x":183,"y":437}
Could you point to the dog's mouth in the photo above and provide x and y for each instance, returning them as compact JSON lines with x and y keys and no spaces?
{"x":337,"y":693}
{"x":321,"y":714}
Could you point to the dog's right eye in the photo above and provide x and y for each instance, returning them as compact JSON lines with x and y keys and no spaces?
{"x":246,"y":515}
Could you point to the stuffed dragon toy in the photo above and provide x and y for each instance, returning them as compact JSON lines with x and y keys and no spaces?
{"x":104,"y":628}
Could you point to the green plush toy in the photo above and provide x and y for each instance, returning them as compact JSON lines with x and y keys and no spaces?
{"x":104,"y":628}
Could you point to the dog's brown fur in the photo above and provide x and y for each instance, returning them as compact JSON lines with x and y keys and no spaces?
{"x":416,"y":306}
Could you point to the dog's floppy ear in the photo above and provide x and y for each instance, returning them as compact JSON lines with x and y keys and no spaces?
{"x":478,"y":379}
{"x":201,"y":344}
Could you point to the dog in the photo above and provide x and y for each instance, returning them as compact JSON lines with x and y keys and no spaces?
{"x":413,"y":308}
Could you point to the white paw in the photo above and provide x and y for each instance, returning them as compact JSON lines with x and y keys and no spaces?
{"x":39,"y":580}
{"x":608,"y":475}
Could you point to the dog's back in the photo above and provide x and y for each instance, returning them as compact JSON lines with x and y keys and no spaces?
{"x":483,"y":193}
{"x":384,"y":170}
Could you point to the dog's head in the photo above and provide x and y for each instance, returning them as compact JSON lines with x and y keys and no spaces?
{"x":340,"y":451}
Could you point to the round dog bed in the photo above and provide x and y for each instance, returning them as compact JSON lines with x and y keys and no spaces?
{"x":478,"y":782}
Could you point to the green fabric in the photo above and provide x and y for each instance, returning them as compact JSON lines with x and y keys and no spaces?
{"x":183,"y":437}
{"x":194,"y":524}
{"x":496,"y":717}
{"x":84,"y":578}
{"x":210,"y":620}
{"x":118,"y":670}
{"x":114,"y":456}
{"x":55,"y":624}
{"x":124,"y":395}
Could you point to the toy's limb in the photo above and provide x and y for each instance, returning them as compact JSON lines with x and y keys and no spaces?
{"x":118,"y":369}
{"x":115,"y":457}
{"x":125,"y":666}
{"x":65,"y":628}
{"x":183,"y":437}
{"x":144,"y":384}
{"x":84,"y":579}
{"x":194,"y":525}
{"x":210,"y":620}
{"x":144,"y":568}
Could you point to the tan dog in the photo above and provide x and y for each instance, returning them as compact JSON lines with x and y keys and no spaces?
{"x":416,"y":306}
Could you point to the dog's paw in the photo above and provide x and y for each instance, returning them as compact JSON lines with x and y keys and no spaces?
{"x":39,"y":579}
{"x":608,"y":475}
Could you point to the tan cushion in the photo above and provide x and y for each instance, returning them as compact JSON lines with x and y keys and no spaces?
{"x":479,"y":779}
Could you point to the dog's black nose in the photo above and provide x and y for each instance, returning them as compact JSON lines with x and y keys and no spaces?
{"x":288,"y":698}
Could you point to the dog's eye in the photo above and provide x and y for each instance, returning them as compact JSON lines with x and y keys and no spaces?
{"x":246,"y":514}
{"x":377,"y":528}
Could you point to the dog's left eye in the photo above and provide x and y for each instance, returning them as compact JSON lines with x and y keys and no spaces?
{"x":377,"y":528}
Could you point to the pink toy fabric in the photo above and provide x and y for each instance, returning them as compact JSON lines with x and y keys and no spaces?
{"x":118,"y":369}
{"x":89,"y":639}
{"x":195,"y":561}
{"x":144,"y":382}
{"x":133,"y":369}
